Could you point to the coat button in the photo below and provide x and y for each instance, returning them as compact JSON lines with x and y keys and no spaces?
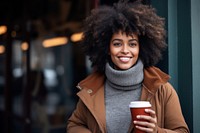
{"x":89,"y":91}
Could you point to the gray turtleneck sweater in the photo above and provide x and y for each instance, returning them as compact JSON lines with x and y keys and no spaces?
{"x":121,"y":88}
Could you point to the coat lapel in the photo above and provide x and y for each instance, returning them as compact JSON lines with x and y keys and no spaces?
{"x":92,"y":94}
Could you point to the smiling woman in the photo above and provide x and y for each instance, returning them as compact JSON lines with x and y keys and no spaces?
{"x":135,"y":19}
{"x":123,"y":43}
{"x":124,"y":50}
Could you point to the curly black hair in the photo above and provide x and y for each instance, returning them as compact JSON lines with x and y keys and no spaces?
{"x":129,"y":18}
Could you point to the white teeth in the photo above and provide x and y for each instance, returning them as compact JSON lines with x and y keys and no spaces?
{"x":124,"y":59}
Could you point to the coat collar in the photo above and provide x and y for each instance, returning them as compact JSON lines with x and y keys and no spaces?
{"x":153,"y":78}
{"x":92,"y":83}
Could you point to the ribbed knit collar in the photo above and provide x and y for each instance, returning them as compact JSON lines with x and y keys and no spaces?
{"x":125,"y":79}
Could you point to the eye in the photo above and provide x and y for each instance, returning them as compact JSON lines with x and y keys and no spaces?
{"x":132,"y":44}
{"x":117,"y":44}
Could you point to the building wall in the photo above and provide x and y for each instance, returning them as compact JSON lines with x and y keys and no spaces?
{"x":195,"y":22}
{"x":182,"y":23}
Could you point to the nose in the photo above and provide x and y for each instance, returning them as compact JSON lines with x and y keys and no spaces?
{"x":125,"y":49}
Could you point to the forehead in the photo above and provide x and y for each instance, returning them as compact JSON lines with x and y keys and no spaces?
{"x":124,"y":34}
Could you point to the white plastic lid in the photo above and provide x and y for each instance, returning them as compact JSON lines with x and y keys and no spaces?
{"x":139,"y":104}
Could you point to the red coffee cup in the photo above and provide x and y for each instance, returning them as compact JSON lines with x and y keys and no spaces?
{"x":138,"y":108}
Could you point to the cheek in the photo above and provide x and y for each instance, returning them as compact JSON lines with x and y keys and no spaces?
{"x":136,"y":51}
{"x":112,"y":56}
{"x":113,"y":52}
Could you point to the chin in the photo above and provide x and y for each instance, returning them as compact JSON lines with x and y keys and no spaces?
{"x":124,"y":68}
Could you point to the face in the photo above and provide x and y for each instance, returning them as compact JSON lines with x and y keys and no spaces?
{"x":124,"y":50}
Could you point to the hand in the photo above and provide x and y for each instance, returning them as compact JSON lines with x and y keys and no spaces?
{"x":148,"y":123}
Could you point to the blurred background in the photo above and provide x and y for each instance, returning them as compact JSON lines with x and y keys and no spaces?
{"x":41,"y":61}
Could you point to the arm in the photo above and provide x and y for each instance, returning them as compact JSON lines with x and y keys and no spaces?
{"x":173,"y":117}
{"x":169,"y":114}
{"x":77,"y":122}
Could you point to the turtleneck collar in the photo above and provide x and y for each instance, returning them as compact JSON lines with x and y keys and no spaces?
{"x":125,"y":79}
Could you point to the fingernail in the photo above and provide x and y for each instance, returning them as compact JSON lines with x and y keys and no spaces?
{"x":138,"y":116}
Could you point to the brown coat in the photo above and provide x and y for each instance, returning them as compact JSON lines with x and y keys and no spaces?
{"x":89,"y":116}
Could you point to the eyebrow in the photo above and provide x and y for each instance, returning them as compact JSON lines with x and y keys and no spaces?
{"x":133,"y":39}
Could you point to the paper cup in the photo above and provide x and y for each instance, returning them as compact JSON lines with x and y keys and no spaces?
{"x":138,"y":108}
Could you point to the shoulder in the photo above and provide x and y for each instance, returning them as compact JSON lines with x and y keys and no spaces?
{"x":92,"y":82}
{"x":167,"y":91}
{"x":154,"y":78}
{"x":155,"y":72}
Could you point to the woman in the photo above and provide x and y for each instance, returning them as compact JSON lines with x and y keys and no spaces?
{"x":124,"y":42}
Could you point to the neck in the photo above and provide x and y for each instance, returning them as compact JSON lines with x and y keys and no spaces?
{"x":126,"y":79}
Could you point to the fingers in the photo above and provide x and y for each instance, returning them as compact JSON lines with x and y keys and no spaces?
{"x":151,"y":118}
{"x":148,"y":130}
{"x":147,"y":123}
{"x":151,"y":112}
{"x":144,"y":124}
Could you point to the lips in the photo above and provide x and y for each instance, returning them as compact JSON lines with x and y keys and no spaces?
{"x":124,"y":59}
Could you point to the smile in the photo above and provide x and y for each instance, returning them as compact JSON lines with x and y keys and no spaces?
{"x":124,"y":59}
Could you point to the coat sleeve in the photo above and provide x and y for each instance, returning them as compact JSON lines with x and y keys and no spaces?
{"x":77,"y":122}
{"x":173,"y":118}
